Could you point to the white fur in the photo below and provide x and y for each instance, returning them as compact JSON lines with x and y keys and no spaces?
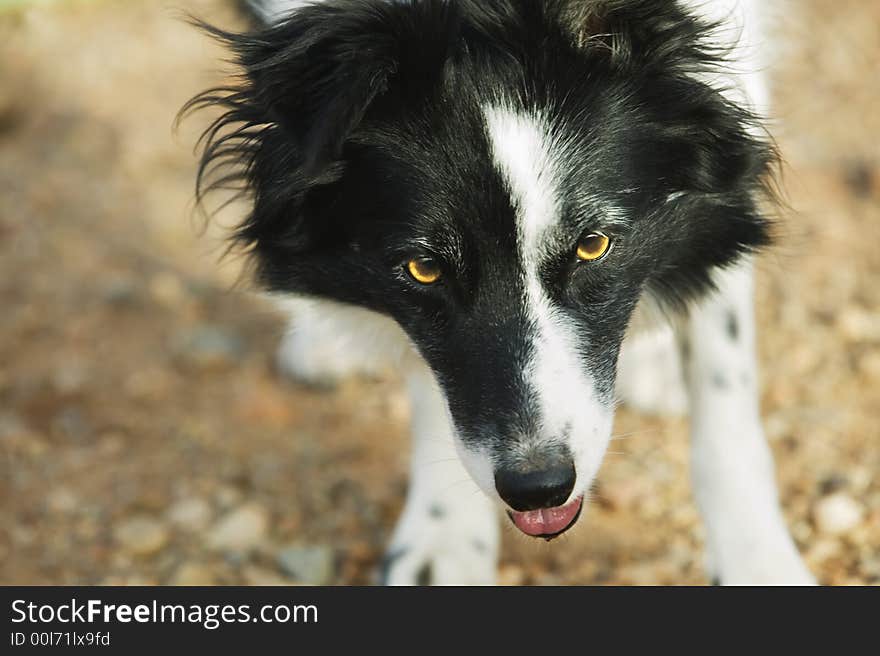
{"x":526,"y":152}
{"x":522,"y":145}
{"x":743,"y":26}
{"x":448,"y":523}
{"x":732,"y":468}
{"x":274,"y":10}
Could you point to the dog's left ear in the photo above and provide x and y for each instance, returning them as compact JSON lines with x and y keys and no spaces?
{"x":307,"y":83}
{"x":711,"y":154}
{"x":305,"y":88}
{"x":666,"y":51}
{"x":316,"y":75}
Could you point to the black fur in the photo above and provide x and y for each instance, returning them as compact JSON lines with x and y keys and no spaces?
{"x":357,"y":133}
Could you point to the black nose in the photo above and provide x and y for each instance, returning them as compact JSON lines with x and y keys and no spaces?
{"x":537,"y":488}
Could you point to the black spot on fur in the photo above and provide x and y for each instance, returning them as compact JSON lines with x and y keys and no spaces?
{"x":684,"y":350}
{"x":480,"y":546}
{"x":732,"y":325}
{"x":425,"y":575}
{"x":720,"y":381}
{"x":436,"y":511}
{"x":388,"y":562}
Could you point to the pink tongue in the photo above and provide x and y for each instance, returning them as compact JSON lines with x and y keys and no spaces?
{"x":547,"y":521}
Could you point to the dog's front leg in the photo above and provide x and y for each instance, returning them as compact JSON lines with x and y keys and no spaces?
{"x":448,"y":533}
{"x":732,"y":467}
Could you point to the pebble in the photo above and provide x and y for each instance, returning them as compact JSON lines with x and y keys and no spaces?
{"x":192,"y":514}
{"x":837,"y":513}
{"x":70,"y":377}
{"x":12,"y":427}
{"x":141,"y":536}
{"x":241,"y":530}
{"x":193,"y":574}
{"x":623,"y":494}
{"x":209,"y":348}
{"x":61,"y":500}
{"x":167,"y":289}
{"x":511,"y":575}
{"x":227,"y":496}
{"x":71,"y":423}
{"x":869,"y":364}
{"x":312,"y":565}
{"x":822,"y":550}
{"x":260,"y":576}
{"x":859,"y":325}
{"x":120,"y":292}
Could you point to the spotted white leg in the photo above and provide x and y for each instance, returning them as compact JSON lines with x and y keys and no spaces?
{"x":732,"y":467}
{"x":448,"y":533}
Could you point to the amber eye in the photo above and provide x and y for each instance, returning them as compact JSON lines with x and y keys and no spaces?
{"x":593,"y":247}
{"x":424,"y":270}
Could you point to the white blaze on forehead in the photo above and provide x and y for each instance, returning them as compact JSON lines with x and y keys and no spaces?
{"x":521,"y":148}
{"x":529,"y":158}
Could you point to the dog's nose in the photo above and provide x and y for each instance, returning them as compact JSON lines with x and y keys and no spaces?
{"x":547,"y":487}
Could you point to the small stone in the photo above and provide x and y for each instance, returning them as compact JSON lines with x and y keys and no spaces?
{"x":61,"y":500}
{"x":70,"y":376}
{"x":869,"y":364}
{"x":622,"y":494}
{"x":312,"y":565}
{"x":193,"y":574}
{"x":802,"y":531}
{"x":190,"y":514}
{"x":241,"y":530}
{"x":72,"y":424}
{"x":822,"y":550}
{"x":111,"y":444}
{"x":12,"y":427}
{"x":511,"y":575}
{"x":860,"y":479}
{"x":166,"y":289}
{"x":120,"y":292}
{"x":23,"y":536}
{"x":141,"y":536}
{"x":150,"y":383}
{"x":209,"y":348}
{"x":837,"y":513}
{"x":833,"y":483}
{"x":858,"y":325}
{"x":260,"y":576}
{"x":227,"y":496}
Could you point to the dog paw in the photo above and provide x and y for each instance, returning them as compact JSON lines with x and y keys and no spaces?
{"x":770,"y":568}
{"x":435,"y":545}
{"x":649,"y":376}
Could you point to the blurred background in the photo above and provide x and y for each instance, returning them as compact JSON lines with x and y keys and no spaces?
{"x":146,"y":438}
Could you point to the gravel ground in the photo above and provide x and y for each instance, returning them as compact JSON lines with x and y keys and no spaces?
{"x":146,"y":438}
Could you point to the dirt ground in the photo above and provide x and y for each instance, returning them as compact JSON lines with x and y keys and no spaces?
{"x":145,"y":436}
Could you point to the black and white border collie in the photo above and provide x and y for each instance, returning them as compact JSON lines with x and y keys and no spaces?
{"x":483,"y":192}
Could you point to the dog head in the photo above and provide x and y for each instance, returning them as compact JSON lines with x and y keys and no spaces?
{"x":505,"y":180}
